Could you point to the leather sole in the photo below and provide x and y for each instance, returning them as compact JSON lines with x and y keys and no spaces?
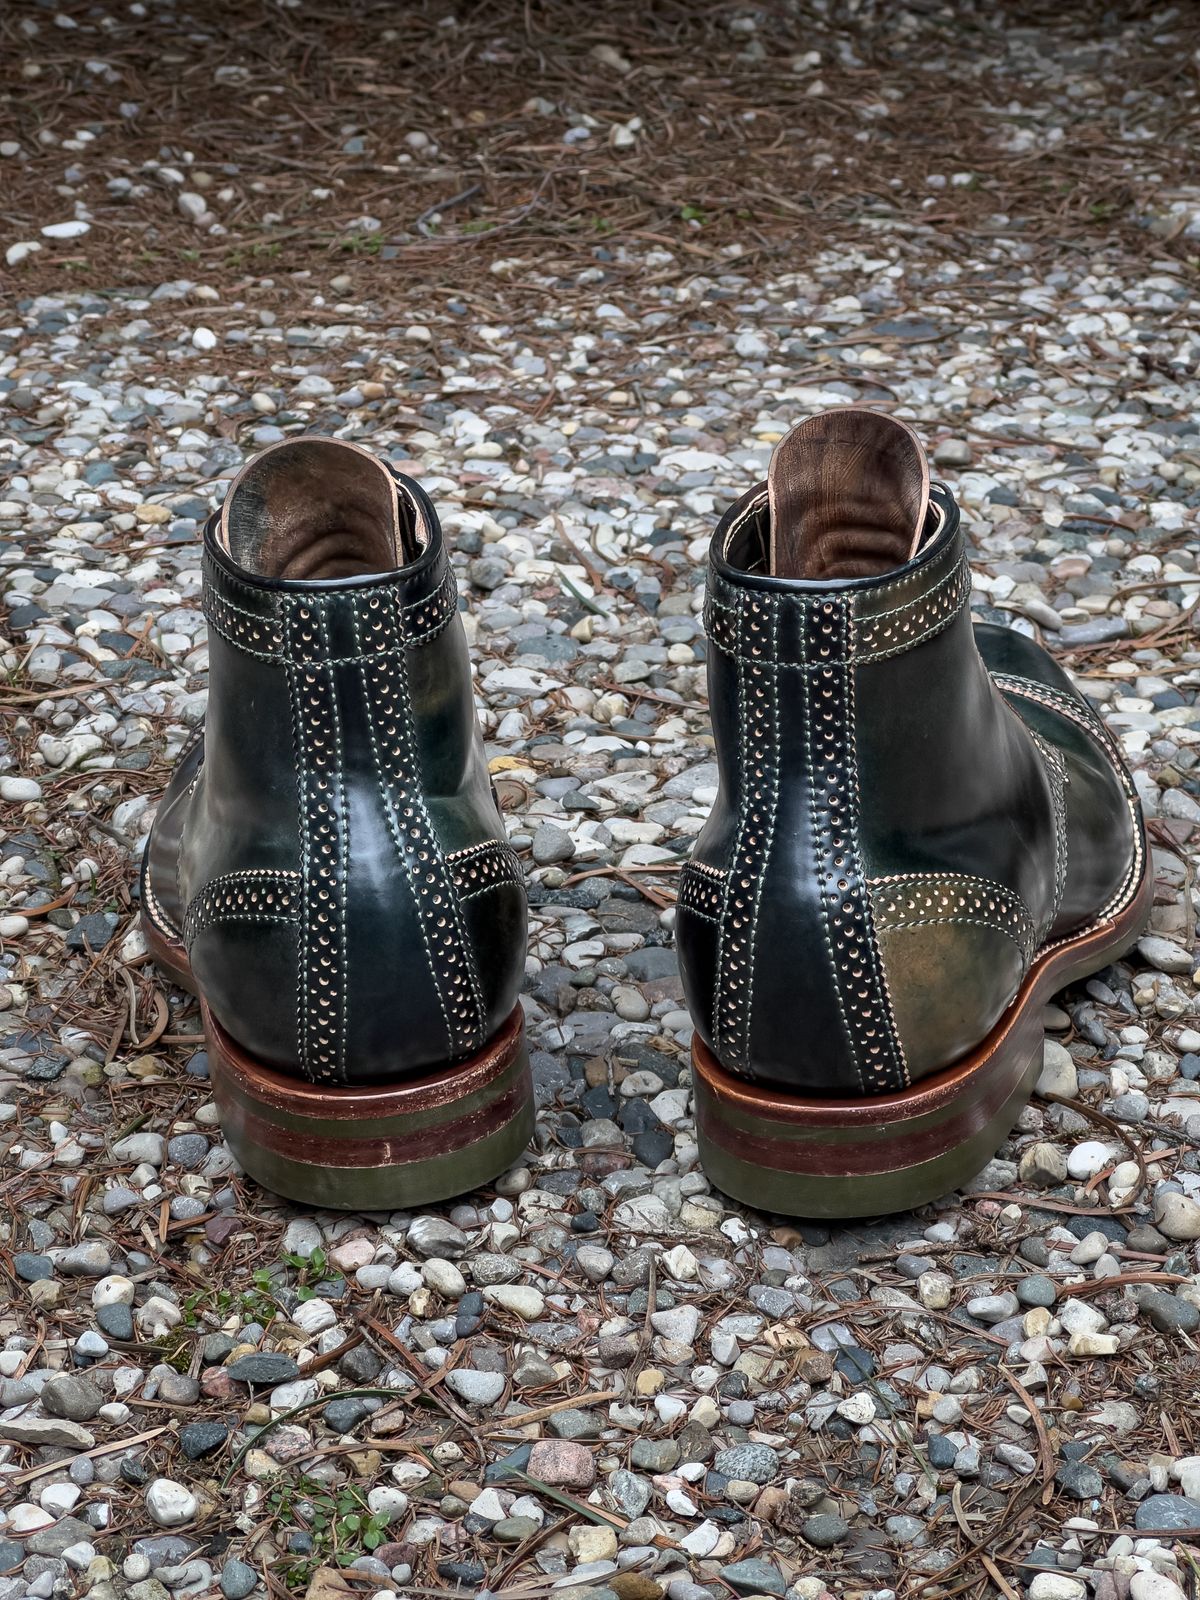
{"x":836,"y":1159}
{"x":376,"y":1147}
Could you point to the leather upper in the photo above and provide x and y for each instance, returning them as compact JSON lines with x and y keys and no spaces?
{"x":909,"y":808}
{"x":330,"y":852}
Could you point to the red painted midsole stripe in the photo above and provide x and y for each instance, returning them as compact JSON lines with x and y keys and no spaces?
{"x":845,"y":1152}
{"x":394,"y":1150}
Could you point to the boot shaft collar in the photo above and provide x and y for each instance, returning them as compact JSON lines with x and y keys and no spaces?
{"x":853,"y":619}
{"x":302,"y":622}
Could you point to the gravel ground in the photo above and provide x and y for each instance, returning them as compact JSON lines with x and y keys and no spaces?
{"x":598,"y":1378}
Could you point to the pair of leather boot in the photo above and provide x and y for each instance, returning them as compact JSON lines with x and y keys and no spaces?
{"x":922,"y":832}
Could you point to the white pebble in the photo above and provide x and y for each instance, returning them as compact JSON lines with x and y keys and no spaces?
{"x":314,"y":1316}
{"x":170,"y":1504}
{"x":1088,"y":1158}
{"x":1058,"y":1071}
{"x":20,"y":789}
{"x":1154,"y":1586}
{"x":1177,"y":1216}
{"x":1056,"y":1586}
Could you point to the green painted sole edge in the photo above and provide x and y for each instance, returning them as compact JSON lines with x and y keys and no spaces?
{"x":833,"y":1198}
{"x":390,"y":1188}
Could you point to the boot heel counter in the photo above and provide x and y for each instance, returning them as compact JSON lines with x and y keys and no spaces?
{"x":697,"y":923}
{"x":955,"y":950}
{"x":243,"y":932}
{"x":490,"y":886}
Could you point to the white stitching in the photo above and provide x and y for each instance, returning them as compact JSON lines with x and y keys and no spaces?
{"x":389,"y":814}
{"x":946,"y":897}
{"x":807,"y":750}
{"x":343,"y":833}
{"x":908,"y":624}
{"x":322,"y":991}
{"x":305,"y":860}
{"x":158,"y":911}
{"x":480,"y":867}
{"x":920,"y":619}
{"x":874,"y":954}
{"x":772,"y":811}
{"x":759,"y":743}
{"x":720,"y":998}
{"x":474,"y":1033}
{"x":243,"y":896}
{"x":719,"y":873}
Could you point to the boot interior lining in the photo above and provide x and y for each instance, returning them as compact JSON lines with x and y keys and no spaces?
{"x":311,"y":509}
{"x":848,"y":493}
{"x":747,"y":545}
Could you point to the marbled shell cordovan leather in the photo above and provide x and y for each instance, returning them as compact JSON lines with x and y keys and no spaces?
{"x":910,"y":807}
{"x":330,"y":853}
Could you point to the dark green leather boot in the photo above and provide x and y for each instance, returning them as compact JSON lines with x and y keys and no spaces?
{"x":328,"y":869}
{"x":922,"y":832}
